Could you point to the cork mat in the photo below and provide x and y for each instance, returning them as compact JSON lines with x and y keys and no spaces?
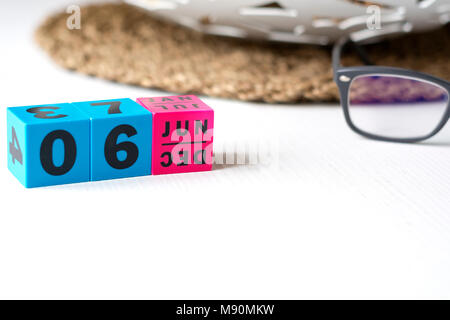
{"x":124,"y":44}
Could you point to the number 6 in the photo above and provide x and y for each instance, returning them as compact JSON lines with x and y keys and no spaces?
{"x":112,"y":147}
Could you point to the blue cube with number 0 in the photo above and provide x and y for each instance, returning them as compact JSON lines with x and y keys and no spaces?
{"x":121,"y":138}
{"x":48,"y":144}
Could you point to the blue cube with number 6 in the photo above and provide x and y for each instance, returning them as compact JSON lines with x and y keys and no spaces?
{"x":121,"y":138}
{"x":48,"y":144}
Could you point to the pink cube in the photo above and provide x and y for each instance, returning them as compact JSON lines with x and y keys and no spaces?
{"x":182,"y":134}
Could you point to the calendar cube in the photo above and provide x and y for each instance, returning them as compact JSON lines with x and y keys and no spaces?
{"x":121,"y":138}
{"x":182,"y":134}
{"x":48,"y":144}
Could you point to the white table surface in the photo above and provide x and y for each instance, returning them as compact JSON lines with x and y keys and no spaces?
{"x":328,"y":215}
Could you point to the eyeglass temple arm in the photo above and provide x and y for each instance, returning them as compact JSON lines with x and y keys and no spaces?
{"x":339,"y":48}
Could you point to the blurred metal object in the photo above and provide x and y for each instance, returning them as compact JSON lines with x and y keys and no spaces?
{"x":302,"y":21}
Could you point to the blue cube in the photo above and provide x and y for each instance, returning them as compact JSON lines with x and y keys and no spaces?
{"x":121,"y":138}
{"x":48,"y":144}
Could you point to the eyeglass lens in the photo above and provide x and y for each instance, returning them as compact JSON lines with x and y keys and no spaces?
{"x":395,"y":106}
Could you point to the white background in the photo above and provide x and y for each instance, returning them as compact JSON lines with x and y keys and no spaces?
{"x":336,"y":216}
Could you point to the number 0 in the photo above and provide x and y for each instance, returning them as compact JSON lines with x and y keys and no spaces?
{"x":70,"y":152}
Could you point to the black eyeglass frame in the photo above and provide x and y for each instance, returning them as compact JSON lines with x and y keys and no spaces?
{"x":344,"y":76}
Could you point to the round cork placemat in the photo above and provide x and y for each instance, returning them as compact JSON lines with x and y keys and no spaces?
{"x":124,"y":44}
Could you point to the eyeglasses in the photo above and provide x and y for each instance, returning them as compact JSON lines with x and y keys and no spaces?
{"x":390,"y":104}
